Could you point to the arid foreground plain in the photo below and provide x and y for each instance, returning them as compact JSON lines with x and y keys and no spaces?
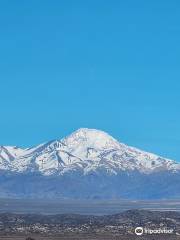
{"x":75,"y":227}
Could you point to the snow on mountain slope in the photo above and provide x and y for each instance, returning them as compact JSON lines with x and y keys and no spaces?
{"x":85,"y":151}
{"x":7,"y":155}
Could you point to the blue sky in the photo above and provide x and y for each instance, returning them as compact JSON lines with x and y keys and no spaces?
{"x":110,"y":65}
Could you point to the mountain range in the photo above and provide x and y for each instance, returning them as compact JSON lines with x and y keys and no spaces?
{"x":88,"y":164}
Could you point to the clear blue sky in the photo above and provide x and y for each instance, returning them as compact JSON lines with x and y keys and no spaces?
{"x":110,"y":65}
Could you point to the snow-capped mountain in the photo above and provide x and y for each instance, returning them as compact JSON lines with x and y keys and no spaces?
{"x":88,"y":157}
{"x":85,"y":150}
{"x":7,"y":155}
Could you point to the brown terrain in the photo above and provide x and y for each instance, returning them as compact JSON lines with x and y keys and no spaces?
{"x":77,"y":227}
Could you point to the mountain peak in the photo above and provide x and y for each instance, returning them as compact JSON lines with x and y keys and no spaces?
{"x":85,"y":150}
{"x":88,"y":131}
{"x":82,"y":165}
{"x":91,"y":138}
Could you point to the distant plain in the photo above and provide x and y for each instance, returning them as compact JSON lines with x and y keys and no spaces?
{"x":87,"y":207}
